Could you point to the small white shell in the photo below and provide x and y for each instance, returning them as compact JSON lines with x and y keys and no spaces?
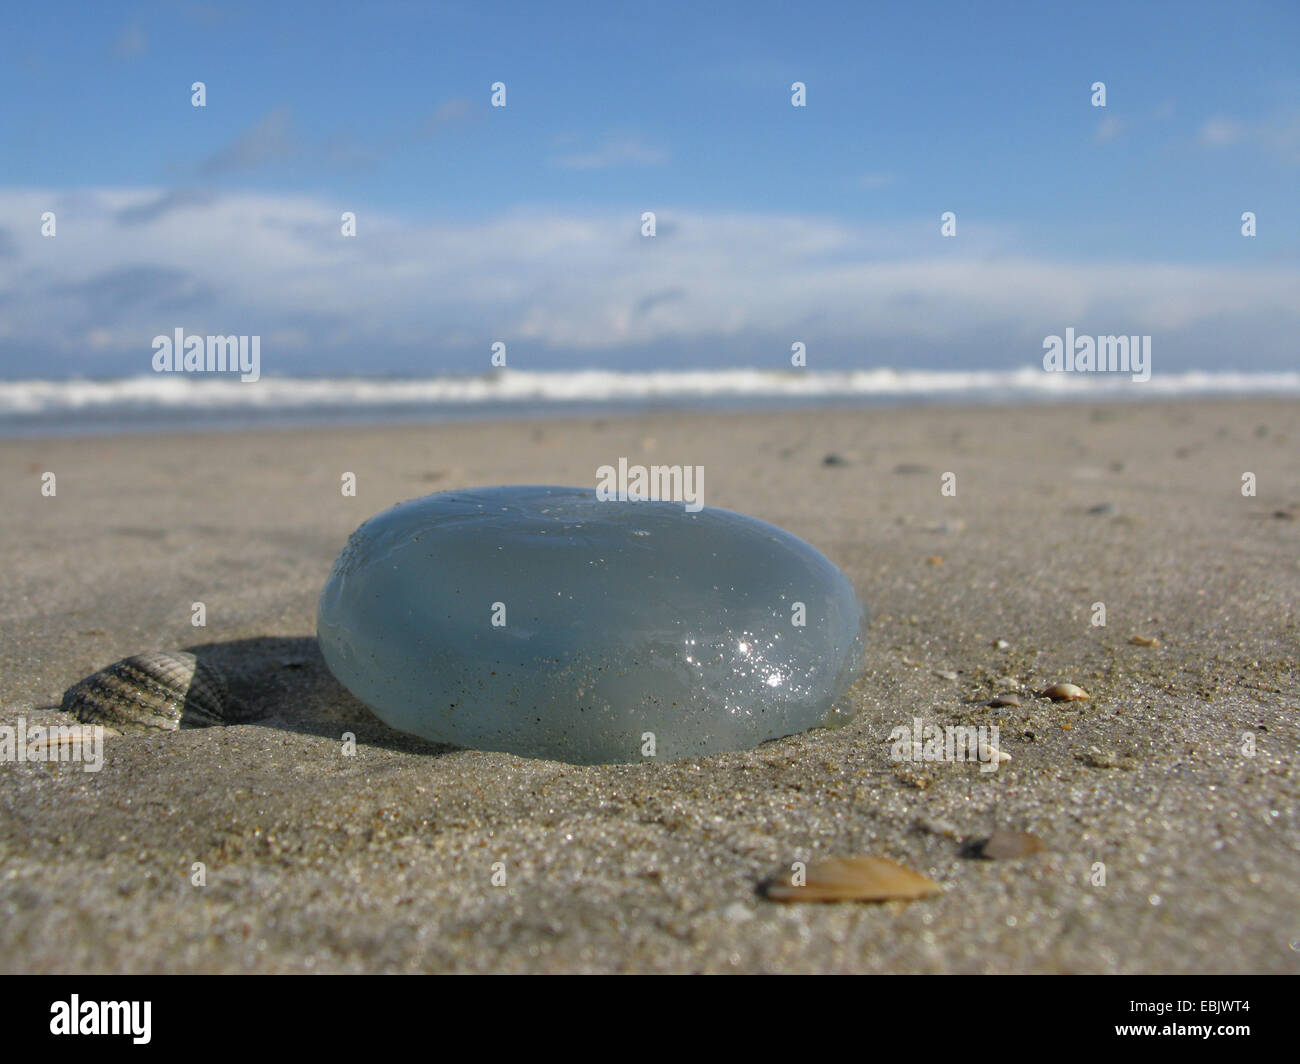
{"x":162,"y":689}
{"x":997,"y":756}
{"x":1065,"y":692}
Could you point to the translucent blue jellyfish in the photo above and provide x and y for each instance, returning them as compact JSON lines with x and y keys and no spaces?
{"x":545,"y":622}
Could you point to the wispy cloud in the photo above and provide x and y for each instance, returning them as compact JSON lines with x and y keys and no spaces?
{"x":1113,"y":126}
{"x":448,"y":113}
{"x":131,"y":43}
{"x":610,"y":152}
{"x":871,"y":182}
{"x":164,"y":203}
{"x":1278,"y":134}
{"x":270,"y":140}
{"x":1221,"y":132}
{"x":206,"y":14}
{"x":274,"y":140}
{"x":115,"y":293}
{"x":1107,"y":129}
{"x":658,"y":299}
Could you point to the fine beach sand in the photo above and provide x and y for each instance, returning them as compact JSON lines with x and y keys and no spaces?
{"x":384,"y":861}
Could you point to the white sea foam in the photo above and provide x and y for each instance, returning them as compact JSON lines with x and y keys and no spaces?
{"x":290,"y":395}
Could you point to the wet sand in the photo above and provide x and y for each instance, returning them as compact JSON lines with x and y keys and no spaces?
{"x":384,"y":861}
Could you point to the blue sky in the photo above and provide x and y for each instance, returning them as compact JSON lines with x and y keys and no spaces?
{"x":521,"y":223}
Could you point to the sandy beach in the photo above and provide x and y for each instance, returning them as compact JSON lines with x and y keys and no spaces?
{"x":1177,"y":779}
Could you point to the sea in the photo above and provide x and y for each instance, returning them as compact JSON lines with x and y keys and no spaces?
{"x":181,"y":403}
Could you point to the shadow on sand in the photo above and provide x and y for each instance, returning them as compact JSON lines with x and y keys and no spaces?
{"x":284,"y":683}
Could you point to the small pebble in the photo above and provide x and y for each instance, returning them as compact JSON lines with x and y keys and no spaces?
{"x":1064,"y":692}
{"x":1001,"y":644}
{"x":1007,"y":698}
{"x":1004,"y":846}
{"x":945,"y":674}
{"x":833,"y":459}
{"x":1102,"y":508}
{"x":908,"y":468}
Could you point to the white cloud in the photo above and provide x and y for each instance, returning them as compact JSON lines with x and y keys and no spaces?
{"x":613,"y":151}
{"x":1220,"y":132}
{"x":1108,"y":129}
{"x":1278,"y":134}
{"x":448,"y":113}
{"x":582,"y":282}
{"x":871,"y":182}
{"x":131,"y":43}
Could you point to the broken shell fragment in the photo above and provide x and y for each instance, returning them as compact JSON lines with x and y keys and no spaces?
{"x":1064,"y":692}
{"x":852,"y":879}
{"x":160,"y":690}
{"x":1007,"y":698}
{"x":1145,"y":641}
{"x":56,"y":739}
{"x":1004,"y":846}
{"x":1097,"y":758}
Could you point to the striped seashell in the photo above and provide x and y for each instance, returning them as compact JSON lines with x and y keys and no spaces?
{"x":165,"y":689}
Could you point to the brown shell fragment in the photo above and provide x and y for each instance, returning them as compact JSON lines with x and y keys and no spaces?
{"x":1145,"y":641}
{"x":1004,"y":700}
{"x":852,"y":879}
{"x":160,"y":690}
{"x":1065,"y":692}
{"x":1004,"y":846}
